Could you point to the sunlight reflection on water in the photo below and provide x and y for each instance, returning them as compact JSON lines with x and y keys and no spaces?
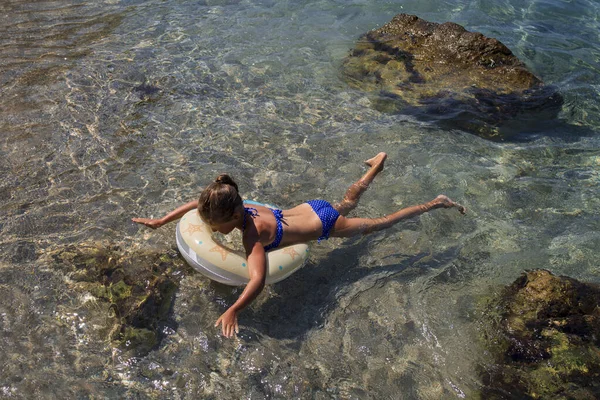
{"x":126,"y":108}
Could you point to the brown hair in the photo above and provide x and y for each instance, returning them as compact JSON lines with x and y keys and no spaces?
{"x":219,"y":200}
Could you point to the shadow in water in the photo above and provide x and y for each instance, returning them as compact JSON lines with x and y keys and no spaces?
{"x":556,"y":129}
{"x":517,"y":130}
{"x":490,"y":116}
{"x":305,"y":300}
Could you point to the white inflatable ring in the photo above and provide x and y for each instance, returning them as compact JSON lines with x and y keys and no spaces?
{"x":219,"y":263}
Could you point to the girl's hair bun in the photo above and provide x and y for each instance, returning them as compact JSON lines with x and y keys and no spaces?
{"x":225,"y":179}
{"x":219,"y":200}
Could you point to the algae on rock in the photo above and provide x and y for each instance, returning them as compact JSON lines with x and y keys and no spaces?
{"x":138,"y":288}
{"x":545,"y":340}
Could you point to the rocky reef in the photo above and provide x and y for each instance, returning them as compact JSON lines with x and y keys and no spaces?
{"x":545,"y":340}
{"x":132,"y":293}
{"x":444,"y":72}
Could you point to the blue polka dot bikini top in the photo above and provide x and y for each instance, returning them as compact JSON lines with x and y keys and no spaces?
{"x":278,"y":217}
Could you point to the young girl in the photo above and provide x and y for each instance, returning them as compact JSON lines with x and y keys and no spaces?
{"x":220,"y":206}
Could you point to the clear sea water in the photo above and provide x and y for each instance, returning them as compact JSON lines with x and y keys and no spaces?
{"x":118,"y":108}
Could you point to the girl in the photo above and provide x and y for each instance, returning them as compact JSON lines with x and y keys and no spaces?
{"x":220,"y":206}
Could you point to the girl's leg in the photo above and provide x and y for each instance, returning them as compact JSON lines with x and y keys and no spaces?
{"x":357,"y":189}
{"x":347,"y":227}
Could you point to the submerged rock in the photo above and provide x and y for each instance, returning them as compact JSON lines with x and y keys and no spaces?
{"x":443,"y":70}
{"x":546,"y":340}
{"x":136,"y":289}
{"x":147,"y":91}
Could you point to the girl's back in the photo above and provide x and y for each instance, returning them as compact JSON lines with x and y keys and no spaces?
{"x":300,"y":224}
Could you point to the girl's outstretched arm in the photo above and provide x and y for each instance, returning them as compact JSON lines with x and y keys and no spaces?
{"x":172,"y":216}
{"x":257,"y":269}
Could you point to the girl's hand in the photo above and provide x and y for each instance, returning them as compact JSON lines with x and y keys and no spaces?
{"x":229,"y":323}
{"x":150,"y":223}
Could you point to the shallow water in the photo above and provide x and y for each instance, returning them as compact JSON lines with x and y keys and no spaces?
{"x":116,"y":109}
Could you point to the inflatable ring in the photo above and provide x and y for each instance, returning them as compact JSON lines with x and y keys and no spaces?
{"x":221,"y":264}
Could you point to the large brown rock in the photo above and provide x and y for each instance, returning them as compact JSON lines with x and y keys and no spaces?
{"x":445,"y":70}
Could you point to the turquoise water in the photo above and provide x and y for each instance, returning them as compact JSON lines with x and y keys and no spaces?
{"x":113,"y":109}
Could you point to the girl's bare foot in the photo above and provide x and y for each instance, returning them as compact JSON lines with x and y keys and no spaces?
{"x":377,"y":161}
{"x":446,"y":202}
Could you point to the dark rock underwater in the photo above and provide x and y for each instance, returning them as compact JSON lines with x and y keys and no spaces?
{"x":543,"y":334}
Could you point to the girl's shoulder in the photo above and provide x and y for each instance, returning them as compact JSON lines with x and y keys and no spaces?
{"x":258,"y":221}
{"x":262,"y":220}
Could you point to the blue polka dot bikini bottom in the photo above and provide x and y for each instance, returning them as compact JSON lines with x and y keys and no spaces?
{"x":326,"y":213}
